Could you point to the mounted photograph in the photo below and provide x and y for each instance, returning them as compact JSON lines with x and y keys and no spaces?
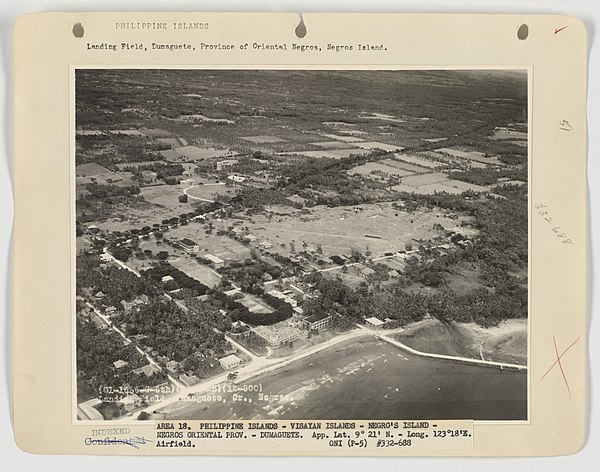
{"x":331,"y":245}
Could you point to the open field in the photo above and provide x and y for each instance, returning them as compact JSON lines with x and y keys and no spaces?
{"x":506,"y":133}
{"x":166,"y":196}
{"x":375,"y":167}
{"x":221,"y":246}
{"x":419,"y":161}
{"x":346,"y":139}
{"x":263,"y":139}
{"x":375,"y":145}
{"x":470,"y":155}
{"x":196,"y":270}
{"x":415,"y":169}
{"x":424,"y":179}
{"x":340,"y":229}
{"x":332,"y":145}
{"x":370,"y":379}
{"x":210,"y":191}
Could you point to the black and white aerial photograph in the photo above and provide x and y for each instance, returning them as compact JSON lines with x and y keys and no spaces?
{"x":300,"y":244}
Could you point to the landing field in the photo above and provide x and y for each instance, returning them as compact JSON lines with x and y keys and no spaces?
{"x":379,"y":227}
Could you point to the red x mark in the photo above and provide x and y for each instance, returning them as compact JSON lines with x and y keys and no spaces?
{"x":557,"y":361}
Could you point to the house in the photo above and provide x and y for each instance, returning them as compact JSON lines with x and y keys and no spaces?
{"x":131,"y":402}
{"x":189,"y":246}
{"x":393,"y":273}
{"x":110,"y":310}
{"x":217,"y":261}
{"x":237,"y":178}
{"x":139,"y":337}
{"x":149,"y":177}
{"x":120,"y":364}
{"x":189,"y":380}
{"x":148,"y":370}
{"x":251,"y":238}
{"x":230,"y":362}
{"x":167,"y":278}
{"x":265,"y":245}
{"x":100,"y":295}
{"x":100,"y":324}
{"x":374,"y":322}
{"x":367,"y":271}
{"x":127,"y":305}
{"x":275,"y":337}
{"x":173,"y":367}
{"x":185,"y":183}
{"x":316,"y":322}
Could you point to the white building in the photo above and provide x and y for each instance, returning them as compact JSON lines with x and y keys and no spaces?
{"x":374,"y":322}
{"x":185,"y":183}
{"x":230,"y":362}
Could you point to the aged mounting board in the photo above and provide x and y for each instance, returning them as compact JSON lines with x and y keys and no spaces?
{"x":334,"y":234}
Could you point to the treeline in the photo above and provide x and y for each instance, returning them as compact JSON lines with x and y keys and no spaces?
{"x":489,"y":175}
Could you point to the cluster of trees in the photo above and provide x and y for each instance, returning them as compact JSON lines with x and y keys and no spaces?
{"x":250,"y":273}
{"x":109,"y":149}
{"x":117,"y":284}
{"x":96,"y":352}
{"x":180,"y":279}
{"x":173,"y":332}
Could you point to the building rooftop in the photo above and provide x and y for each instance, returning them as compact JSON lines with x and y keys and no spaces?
{"x":317,"y":317}
{"x":374,"y":321}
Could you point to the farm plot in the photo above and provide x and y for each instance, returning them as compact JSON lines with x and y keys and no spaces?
{"x":129,"y":132}
{"x":424,"y":179}
{"x":470,"y":155}
{"x":156,"y":133}
{"x":464,"y":186}
{"x":263,"y":139}
{"x":376,"y":145}
{"x":379,"y":167}
{"x":438,"y":187}
{"x":332,"y":145}
{"x":408,"y":189}
{"x":419,"y":161}
{"x":346,"y":139}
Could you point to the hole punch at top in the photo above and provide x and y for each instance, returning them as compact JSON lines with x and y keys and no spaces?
{"x":301,"y":28}
{"x":78,"y":30}
{"x":523,"y":32}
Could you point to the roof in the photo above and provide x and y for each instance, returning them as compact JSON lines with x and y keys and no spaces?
{"x":148,"y":369}
{"x":188,"y":242}
{"x":120,"y":363}
{"x":374,"y":321}
{"x":317,"y":317}
{"x":230,"y":358}
{"x":213,"y":258}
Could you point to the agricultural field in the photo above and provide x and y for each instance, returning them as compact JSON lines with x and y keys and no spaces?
{"x":263,"y":139}
{"x":424,"y":179}
{"x":379,"y":167}
{"x":419,"y":161}
{"x":376,"y":145}
{"x":470,"y":155}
